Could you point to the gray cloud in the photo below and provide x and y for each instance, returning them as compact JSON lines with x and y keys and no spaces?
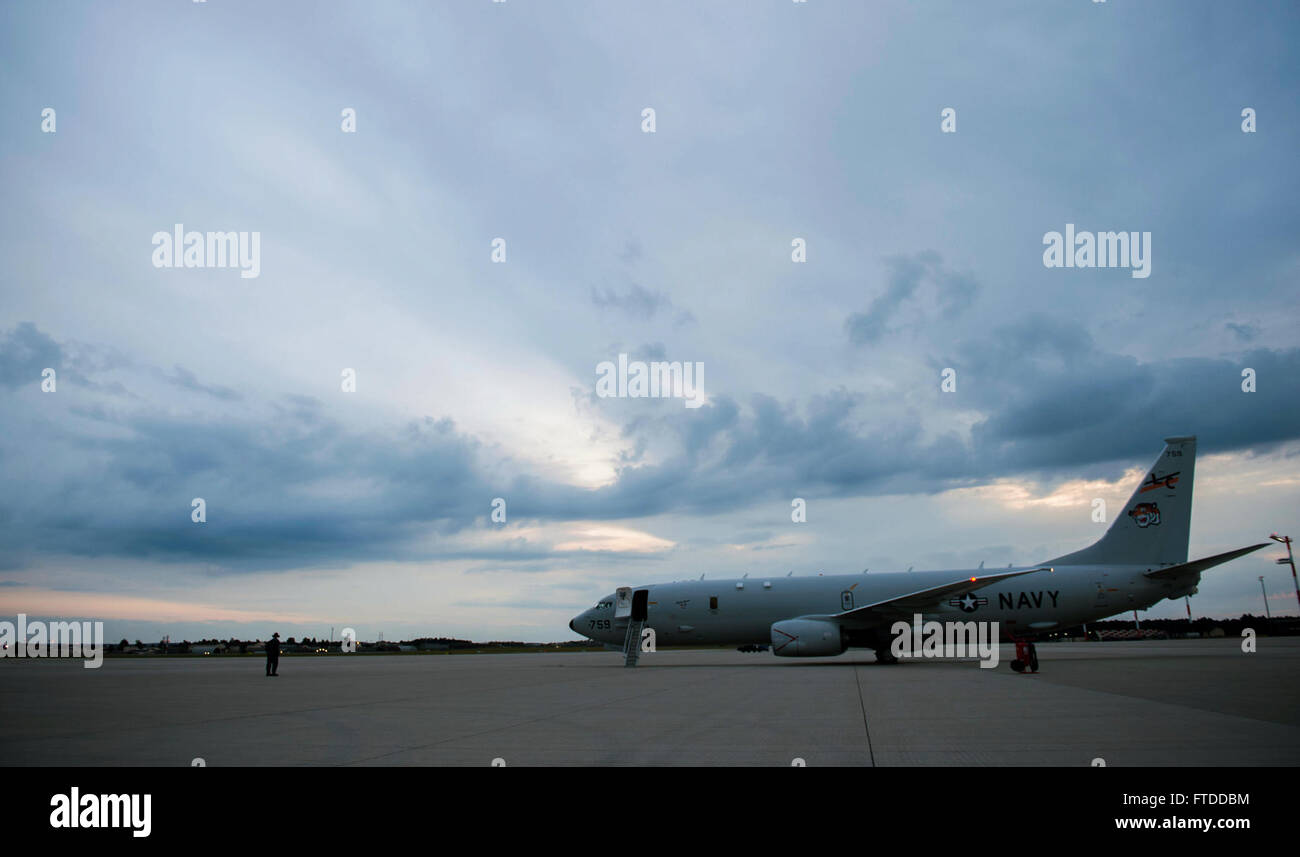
{"x":306,"y":488}
{"x":186,"y":380}
{"x":1243,"y":332}
{"x":24,"y":353}
{"x":953,"y":294}
{"x":1052,"y":395}
{"x":637,"y":302}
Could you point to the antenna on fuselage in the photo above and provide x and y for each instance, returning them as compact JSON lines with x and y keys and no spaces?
{"x":981,"y":563}
{"x":790,"y":573}
{"x":701,"y":577}
{"x":909,"y":569}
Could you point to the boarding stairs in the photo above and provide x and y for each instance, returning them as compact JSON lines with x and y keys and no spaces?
{"x":632,"y":643}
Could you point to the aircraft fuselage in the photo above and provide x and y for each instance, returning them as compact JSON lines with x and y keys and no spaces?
{"x":740,"y":612}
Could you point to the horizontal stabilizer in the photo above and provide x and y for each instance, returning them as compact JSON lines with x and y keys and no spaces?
{"x":924,"y":600}
{"x":1198,"y":565}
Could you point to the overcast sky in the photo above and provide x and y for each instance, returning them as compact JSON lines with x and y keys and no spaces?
{"x":477,"y":380}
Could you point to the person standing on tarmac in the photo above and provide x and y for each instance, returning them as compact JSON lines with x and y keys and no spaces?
{"x":273,"y":654}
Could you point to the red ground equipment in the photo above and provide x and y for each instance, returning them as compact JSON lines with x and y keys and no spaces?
{"x":1026,"y":656}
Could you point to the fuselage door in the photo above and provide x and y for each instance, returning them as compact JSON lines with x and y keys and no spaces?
{"x":640,"y":605}
{"x":846,"y":600}
{"x":623,"y":602}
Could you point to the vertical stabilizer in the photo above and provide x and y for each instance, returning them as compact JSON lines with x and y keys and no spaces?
{"x":1153,"y":527}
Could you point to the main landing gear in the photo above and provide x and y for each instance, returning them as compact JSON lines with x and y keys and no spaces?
{"x":884,"y":656}
{"x":1026,"y":657}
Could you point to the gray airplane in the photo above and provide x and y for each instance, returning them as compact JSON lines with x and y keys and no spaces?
{"x":1140,"y":560}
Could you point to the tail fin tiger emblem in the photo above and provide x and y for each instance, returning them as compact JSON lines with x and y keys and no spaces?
{"x":1145,"y":515}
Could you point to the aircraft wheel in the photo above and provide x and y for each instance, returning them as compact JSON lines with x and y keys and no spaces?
{"x":1018,"y":665}
{"x":884,"y":656}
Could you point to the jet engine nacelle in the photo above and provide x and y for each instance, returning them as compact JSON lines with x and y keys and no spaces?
{"x":807,"y":638}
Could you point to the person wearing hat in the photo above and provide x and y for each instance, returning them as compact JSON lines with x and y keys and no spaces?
{"x":273,"y":654}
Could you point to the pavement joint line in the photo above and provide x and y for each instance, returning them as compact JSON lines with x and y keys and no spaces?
{"x":857,"y":676}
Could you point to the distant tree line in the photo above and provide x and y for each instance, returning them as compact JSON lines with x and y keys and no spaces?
{"x":1279,"y":626}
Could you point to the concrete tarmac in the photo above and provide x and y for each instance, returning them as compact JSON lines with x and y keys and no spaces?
{"x":1177,"y":702}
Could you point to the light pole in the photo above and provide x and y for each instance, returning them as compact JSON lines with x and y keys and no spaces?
{"x":1267,"y":615}
{"x":1289,"y":560}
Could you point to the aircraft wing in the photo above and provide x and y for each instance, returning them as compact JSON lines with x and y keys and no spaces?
{"x":1198,"y":565}
{"x":925,"y":600}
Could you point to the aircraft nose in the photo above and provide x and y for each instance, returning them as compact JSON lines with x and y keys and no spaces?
{"x":577,"y":623}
